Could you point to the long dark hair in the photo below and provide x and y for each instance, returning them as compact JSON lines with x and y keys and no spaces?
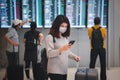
{"x":54,"y":30}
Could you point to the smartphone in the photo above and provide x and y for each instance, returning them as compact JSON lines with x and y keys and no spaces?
{"x":71,"y":42}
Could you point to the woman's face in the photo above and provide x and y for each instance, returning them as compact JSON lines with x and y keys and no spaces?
{"x":63,"y":27}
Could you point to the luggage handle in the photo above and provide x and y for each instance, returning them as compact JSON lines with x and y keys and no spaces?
{"x":16,"y":53}
{"x":78,"y":65}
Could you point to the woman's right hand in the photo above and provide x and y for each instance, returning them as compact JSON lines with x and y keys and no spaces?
{"x":64,"y":48}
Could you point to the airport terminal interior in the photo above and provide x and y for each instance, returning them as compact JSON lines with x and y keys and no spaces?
{"x":81,"y":14}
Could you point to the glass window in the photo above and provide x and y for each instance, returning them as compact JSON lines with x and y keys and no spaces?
{"x":81,"y":13}
{"x":28,"y":11}
{"x":97,"y":8}
{"x":52,"y":8}
{"x":6,"y":13}
{"x":75,"y":11}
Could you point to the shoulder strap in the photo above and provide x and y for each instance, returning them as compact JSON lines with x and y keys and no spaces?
{"x":36,"y":38}
{"x":93,"y":28}
{"x":53,"y":38}
{"x":100,"y":27}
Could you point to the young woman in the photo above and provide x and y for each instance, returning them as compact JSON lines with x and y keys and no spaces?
{"x":58,"y":48}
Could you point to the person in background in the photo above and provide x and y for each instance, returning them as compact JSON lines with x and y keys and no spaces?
{"x":97,"y":35}
{"x":30,"y":39}
{"x":12,"y":39}
{"x":59,"y":51}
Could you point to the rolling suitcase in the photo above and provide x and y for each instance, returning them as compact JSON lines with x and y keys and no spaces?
{"x":15,"y":72}
{"x":86,"y":74}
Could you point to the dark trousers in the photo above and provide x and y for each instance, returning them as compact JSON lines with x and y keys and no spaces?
{"x":102,"y":56}
{"x":57,"y":77}
{"x":27,"y":68}
{"x":13,"y":58}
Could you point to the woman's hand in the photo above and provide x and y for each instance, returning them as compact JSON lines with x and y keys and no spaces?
{"x":77,"y":58}
{"x":64,"y":48}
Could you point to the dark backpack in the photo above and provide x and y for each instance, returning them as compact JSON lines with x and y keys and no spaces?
{"x":97,"y":40}
{"x":44,"y":59}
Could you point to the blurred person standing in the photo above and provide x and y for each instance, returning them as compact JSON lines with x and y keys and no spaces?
{"x":12,"y":39}
{"x":32,"y":39}
{"x":97,"y":35}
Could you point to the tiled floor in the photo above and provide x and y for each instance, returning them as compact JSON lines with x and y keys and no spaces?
{"x":112,"y":73}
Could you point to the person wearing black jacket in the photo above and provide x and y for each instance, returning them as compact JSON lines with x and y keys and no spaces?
{"x":32,"y":39}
